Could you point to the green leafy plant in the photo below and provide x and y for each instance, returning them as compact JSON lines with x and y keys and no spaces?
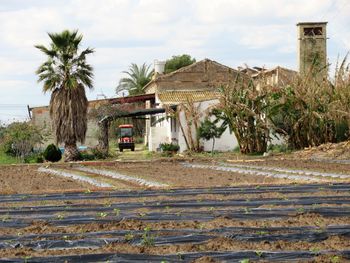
{"x":34,"y":158}
{"x":116,"y":211}
{"x":169,"y":147}
{"x":52,"y":153}
{"x":177,"y":62}
{"x":19,"y":139}
{"x":102,"y":214}
{"x":209,"y":130}
{"x":128,"y":237}
{"x":147,"y":237}
{"x":335,"y":259}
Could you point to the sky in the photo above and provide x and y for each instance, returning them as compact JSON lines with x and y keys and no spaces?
{"x":232,"y":32}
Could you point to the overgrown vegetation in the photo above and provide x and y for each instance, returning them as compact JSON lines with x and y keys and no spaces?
{"x":19,"y":139}
{"x":243,"y":109}
{"x":169,"y":148}
{"x":307,"y":111}
{"x":311,"y":111}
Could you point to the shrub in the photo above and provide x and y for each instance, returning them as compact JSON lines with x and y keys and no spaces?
{"x":19,"y":138}
{"x":93,"y":154}
{"x":86,"y":156}
{"x":99,"y":153}
{"x":34,"y":158}
{"x":169,"y":147}
{"x":52,"y":153}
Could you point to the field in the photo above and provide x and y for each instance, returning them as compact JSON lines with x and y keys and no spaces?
{"x":267,"y":210}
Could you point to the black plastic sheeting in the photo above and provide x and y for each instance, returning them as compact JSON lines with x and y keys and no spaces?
{"x":304,"y":188}
{"x":187,"y":215}
{"x":305,"y":201}
{"x":236,"y":231}
{"x":178,"y":237}
{"x":231,"y":256}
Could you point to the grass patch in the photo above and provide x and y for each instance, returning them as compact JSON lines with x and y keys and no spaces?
{"x":6,"y":159}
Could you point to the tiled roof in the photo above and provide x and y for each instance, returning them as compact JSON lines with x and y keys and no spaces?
{"x":184,"y":69}
{"x":176,"y":97}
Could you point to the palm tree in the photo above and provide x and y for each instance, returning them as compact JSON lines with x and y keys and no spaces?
{"x":137,"y":78}
{"x":65,"y":74}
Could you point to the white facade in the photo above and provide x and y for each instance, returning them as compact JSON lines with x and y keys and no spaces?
{"x":168,"y":130}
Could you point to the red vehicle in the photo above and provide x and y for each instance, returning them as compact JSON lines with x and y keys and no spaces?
{"x":125,"y":137}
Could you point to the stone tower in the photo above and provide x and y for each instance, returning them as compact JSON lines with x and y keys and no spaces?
{"x":312,"y":47}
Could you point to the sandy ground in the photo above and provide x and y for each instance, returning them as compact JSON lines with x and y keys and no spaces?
{"x":16,"y":179}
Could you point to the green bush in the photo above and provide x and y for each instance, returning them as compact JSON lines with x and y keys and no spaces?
{"x":52,"y":153}
{"x":86,"y":156}
{"x":279,"y":148}
{"x":92,"y":154}
{"x":18,"y":139}
{"x":169,"y":147}
{"x":34,"y":158}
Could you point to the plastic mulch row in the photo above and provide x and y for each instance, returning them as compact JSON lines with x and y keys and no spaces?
{"x":305,"y":201}
{"x":260,"y":231}
{"x":166,"y":238}
{"x":242,"y":214}
{"x":305,"y":188}
{"x":231,"y":256}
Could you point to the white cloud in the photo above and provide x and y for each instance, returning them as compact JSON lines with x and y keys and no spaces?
{"x":125,"y":31}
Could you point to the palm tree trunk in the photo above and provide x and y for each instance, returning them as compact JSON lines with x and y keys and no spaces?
{"x":71,"y":152}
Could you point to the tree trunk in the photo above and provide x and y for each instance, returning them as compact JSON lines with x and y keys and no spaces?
{"x":71,"y":152}
{"x":212,"y":148}
{"x":103,"y":142}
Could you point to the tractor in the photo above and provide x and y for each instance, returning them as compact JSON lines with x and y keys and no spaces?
{"x":125,"y":137}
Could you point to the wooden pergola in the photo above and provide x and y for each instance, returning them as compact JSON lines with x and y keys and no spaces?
{"x":104,"y":124}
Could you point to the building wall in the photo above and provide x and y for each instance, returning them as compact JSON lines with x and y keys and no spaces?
{"x":41,"y":118}
{"x":312,"y":39}
{"x":226,"y":142}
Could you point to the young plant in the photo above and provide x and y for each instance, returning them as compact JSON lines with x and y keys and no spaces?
{"x":209,"y":130}
{"x":147,"y":237}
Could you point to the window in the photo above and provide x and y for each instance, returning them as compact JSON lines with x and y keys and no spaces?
{"x":313,"y":31}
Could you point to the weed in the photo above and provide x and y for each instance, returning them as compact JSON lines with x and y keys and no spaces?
{"x":142,"y":214}
{"x":102,"y":214}
{"x":107,"y":204}
{"x":314,"y":250}
{"x":87,"y":191}
{"x":259,"y":253}
{"x":6,"y":218}
{"x":262,"y":233}
{"x":247,"y":210}
{"x":180,"y":256}
{"x":147,"y":237}
{"x":129,"y":236}
{"x":200,"y":226}
{"x":116,"y":211}
{"x":246,"y":260}
{"x":300,"y":210}
{"x":335,"y":259}
{"x":60,"y":216}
